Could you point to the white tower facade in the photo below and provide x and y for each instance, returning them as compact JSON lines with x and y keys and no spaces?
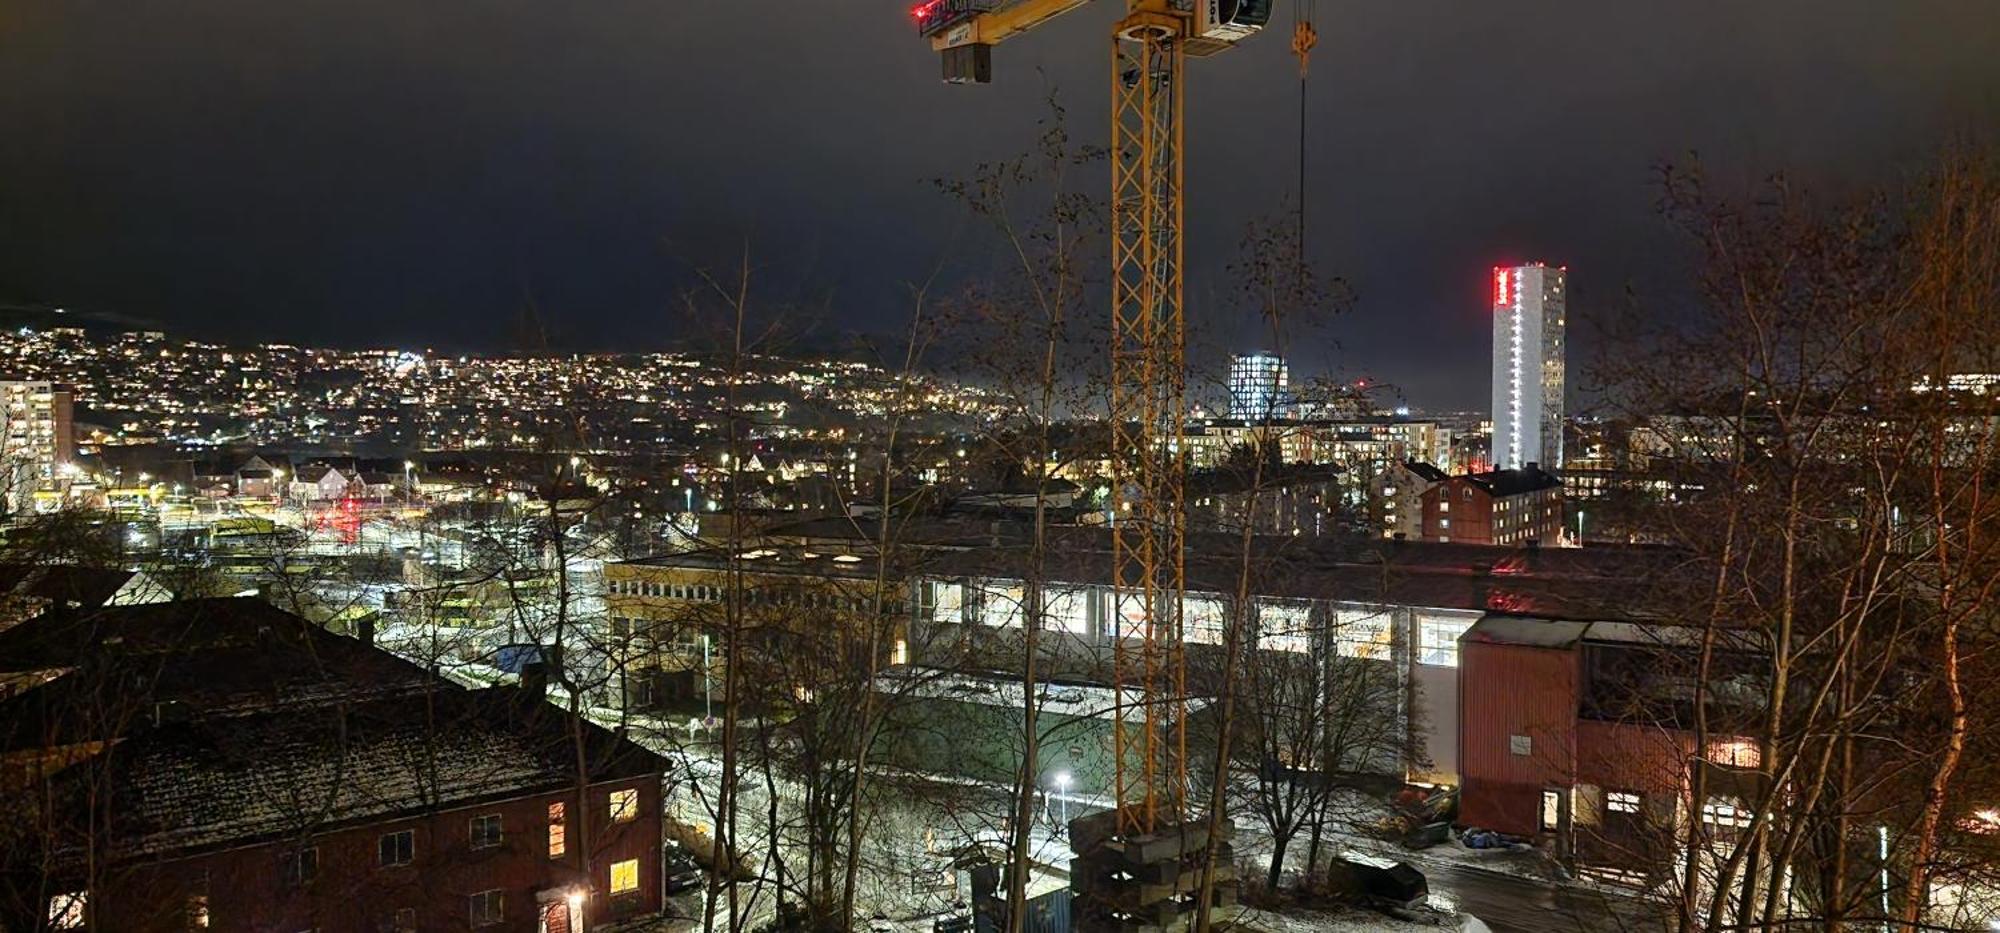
{"x":1529,"y":310}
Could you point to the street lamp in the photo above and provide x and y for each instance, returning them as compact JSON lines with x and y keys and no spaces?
{"x":1062,"y":798}
{"x":707,"y":685}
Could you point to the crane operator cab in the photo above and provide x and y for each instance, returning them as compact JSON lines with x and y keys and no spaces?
{"x":1229,"y":21}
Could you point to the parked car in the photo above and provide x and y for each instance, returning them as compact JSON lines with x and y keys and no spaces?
{"x":680,"y":870}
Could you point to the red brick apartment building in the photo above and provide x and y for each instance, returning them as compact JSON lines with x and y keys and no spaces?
{"x":221,"y":764}
{"x":1510,"y":508}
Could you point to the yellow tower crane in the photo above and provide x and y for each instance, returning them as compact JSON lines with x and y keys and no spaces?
{"x":1149,"y":47}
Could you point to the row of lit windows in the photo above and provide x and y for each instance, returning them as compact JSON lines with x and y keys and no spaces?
{"x":1283,"y":625}
{"x":695,"y":592}
{"x":69,"y":911}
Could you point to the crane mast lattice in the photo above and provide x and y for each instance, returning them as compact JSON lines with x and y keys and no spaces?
{"x":1149,"y":48}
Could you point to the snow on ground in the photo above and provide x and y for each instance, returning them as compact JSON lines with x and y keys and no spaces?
{"x":1302,"y":920}
{"x":1531,"y":864}
{"x":1049,"y":852}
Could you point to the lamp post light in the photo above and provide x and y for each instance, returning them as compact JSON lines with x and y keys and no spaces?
{"x":707,"y":685}
{"x":1062,"y":798}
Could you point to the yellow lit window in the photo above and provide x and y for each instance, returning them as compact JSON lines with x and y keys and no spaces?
{"x":558,"y":832}
{"x":66,"y":911}
{"x":625,"y":876}
{"x":624,"y":805}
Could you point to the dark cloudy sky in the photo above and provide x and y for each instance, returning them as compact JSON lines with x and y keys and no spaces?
{"x":387,"y":171}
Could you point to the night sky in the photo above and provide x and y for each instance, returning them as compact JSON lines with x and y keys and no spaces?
{"x":380,"y":172}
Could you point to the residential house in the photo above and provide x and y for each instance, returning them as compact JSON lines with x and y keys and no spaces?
{"x":222,"y":764}
{"x":1506,"y":507}
{"x":1396,"y":497}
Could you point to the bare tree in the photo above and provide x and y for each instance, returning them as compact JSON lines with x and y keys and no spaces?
{"x":1028,"y":326}
{"x":1829,"y":463}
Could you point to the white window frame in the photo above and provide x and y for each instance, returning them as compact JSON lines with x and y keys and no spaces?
{"x":1204,"y":618}
{"x":1725,"y":811}
{"x":1066,"y":609}
{"x":487,"y":908}
{"x":1549,"y":813}
{"x":1434,"y":649}
{"x":1622,"y":801}
{"x":294,"y":870}
{"x":1282,"y":629}
{"x":1000,"y":603}
{"x":472,"y":828}
{"x":611,"y":879}
{"x":622,"y":805}
{"x":1124,"y":613}
{"x":1364,"y":633}
{"x":409,"y":859}
{"x":557,"y":843}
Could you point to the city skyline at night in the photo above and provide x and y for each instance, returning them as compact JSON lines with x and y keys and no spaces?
{"x":380,"y":173}
{"x":999,"y":466}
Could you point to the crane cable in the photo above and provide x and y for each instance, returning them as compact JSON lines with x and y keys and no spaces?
{"x":1304,"y":37}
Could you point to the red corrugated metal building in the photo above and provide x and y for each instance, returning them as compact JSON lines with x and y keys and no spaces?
{"x":1517,"y":722}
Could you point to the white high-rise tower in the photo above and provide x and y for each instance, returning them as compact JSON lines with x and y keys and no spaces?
{"x":1528,"y":313}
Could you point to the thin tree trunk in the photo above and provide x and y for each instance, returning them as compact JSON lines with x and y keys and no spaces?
{"x":1232,"y":650}
{"x":865,"y":729}
{"x":1276,"y":872}
{"x":1940,"y":781}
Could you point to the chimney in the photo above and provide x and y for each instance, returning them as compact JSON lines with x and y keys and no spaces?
{"x":171,"y":712}
{"x":1533,"y":467}
{"x":535,"y":680}
{"x":365,"y":630}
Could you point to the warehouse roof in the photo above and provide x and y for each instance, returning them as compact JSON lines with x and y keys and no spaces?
{"x":1617,"y":583}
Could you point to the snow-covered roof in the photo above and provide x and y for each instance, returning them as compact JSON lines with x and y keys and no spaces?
{"x":1075,"y":700}
{"x":299,"y":772}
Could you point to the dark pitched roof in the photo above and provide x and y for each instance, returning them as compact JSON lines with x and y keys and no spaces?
{"x":1222,"y":482}
{"x":1570,"y":583}
{"x":314,"y":472}
{"x":92,"y":674}
{"x":182,"y":787}
{"x":1514,"y":482}
{"x":380,"y":465}
{"x":63,"y":584}
{"x":1426,"y":471}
